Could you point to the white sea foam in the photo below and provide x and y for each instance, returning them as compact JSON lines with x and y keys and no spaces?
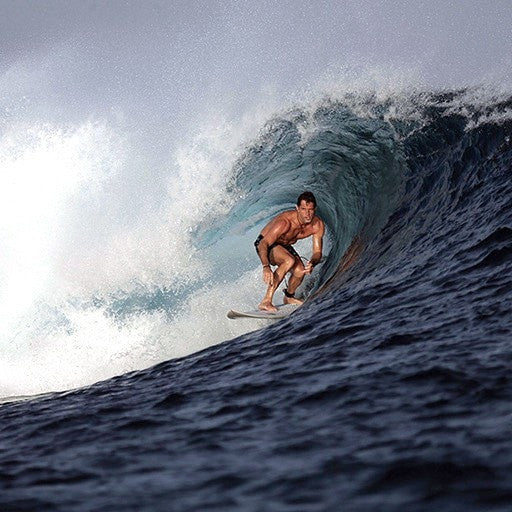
{"x":42,"y":168}
{"x":90,"y":345}
{"x":76,"y":236}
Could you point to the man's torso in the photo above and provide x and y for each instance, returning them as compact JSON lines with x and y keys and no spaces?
{"x":295,"y":230}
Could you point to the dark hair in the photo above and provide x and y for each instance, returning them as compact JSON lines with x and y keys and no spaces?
{"x":308,"y":197}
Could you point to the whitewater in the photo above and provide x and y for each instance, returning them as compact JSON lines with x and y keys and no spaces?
{"x":134,"y":180}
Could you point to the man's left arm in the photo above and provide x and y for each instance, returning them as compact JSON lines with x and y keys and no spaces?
{"x":318,"y":237}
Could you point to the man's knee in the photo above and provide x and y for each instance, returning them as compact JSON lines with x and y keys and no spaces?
{"x":298,"y":268}
{"x":288,"y":263}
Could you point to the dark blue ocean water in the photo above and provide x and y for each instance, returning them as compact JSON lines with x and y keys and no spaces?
{"x":389,"y":390}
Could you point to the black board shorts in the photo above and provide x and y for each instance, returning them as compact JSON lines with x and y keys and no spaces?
{"x":288,"y":247}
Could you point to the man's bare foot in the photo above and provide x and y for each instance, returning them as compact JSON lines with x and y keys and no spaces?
{"x":292,"y":300}
{"x":267,"y":306}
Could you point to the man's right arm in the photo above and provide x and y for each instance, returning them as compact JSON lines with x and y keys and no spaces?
{"x":263,"y":252}
{"x":268,"y":275}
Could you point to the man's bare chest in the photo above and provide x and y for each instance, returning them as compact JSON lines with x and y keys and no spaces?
{"x":296,"y":233}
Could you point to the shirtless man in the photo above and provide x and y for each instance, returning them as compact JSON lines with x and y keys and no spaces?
{"x":274,"y":247}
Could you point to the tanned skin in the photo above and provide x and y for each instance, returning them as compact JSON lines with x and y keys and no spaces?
{"x":287,"y":228}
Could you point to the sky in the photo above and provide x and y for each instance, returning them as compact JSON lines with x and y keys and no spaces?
{"x":168,"y":59}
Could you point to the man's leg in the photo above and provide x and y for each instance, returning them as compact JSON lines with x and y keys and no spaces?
{"x":295,"y":280}
{"x":285,"y":261}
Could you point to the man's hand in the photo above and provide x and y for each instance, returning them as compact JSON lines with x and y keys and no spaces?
{"x":308,"y":268}
{"x":268,"y":276}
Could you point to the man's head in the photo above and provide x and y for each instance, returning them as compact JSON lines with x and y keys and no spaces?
{"x":306,"y":205}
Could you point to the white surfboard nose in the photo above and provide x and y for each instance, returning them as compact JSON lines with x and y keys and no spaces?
{"x":282,"y":312}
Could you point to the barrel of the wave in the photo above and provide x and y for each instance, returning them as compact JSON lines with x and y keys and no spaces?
{"x":274,"y":247}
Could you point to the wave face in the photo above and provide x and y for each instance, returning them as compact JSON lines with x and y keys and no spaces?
{"x":390,"y":388}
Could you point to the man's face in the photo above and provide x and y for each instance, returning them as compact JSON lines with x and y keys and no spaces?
{"x":306,"y":212}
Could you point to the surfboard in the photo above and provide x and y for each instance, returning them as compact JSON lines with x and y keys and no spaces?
{"x":282,"y":312}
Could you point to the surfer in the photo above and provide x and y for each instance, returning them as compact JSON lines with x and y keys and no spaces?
{"x":274,"y":247}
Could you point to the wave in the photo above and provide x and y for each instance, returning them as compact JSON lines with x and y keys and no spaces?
{"x":401,"y":181}
{"x":390,"y":174}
